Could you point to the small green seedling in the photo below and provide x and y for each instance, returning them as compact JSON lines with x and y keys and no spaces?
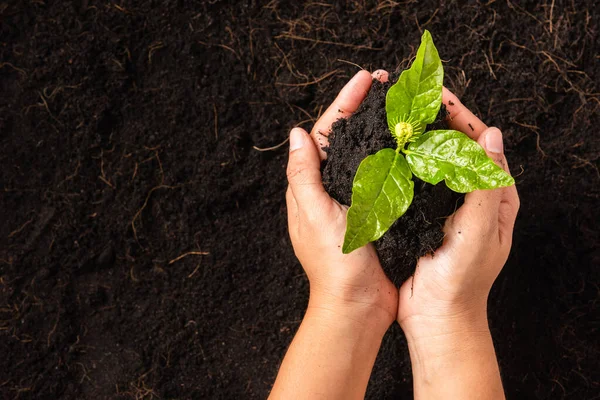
{"x":383,"y":187}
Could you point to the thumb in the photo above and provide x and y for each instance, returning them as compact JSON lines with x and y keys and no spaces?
{"x":491,"y":141}
{"x":480,"y":210}
{"x":304,"y":170}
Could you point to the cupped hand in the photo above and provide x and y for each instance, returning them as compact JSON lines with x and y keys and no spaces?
{"x":449,"y":289}
{"x":350,"y":285}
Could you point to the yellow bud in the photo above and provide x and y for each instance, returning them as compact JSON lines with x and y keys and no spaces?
{"x":403,"y":131}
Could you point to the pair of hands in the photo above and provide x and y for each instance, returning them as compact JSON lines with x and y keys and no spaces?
{"x":448,"y":293}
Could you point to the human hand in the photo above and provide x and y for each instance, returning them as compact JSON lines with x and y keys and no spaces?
{"x":448,"y":292}
{"x":352,"y":303}
{"x":442,"y":307}
{"x":348,"y":285}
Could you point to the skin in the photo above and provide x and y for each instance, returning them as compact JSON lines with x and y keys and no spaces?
{"x":442,"y":308}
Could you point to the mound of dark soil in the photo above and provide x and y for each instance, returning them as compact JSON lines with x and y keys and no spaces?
{"x":128,"y":148}
{"x":366,"y":132}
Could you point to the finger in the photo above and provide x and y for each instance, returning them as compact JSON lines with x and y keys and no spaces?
{"x":292,"y":212}
{"x":507,"y":214}
{"x":509,"y":198}
{"x":304,"y":170}
{"x":290,"y":201}
{"x":381,"y":75}
{"x":343,"y":106}
{"x":479,"y":214}
{"x":461,"y":118}
{"x":508,"y":210}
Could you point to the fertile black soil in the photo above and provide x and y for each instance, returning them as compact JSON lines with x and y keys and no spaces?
{"x":143,"y":245}
{"x":419,"y":231}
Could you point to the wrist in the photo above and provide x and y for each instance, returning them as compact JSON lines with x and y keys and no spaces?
{"x":436,"y":336}
{"x":374,"y":313}
{"x":447,"y":344}
{"x":442,"y":318}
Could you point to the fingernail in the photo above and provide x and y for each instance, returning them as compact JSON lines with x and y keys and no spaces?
{"x":493,"y":141}
{"x":297,"y":137}
{"x":355,"y":78}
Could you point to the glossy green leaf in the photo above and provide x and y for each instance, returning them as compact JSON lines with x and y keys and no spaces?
{"x":381,"y":193}
{"x":418,"y":93}
{"x":454,"y":157}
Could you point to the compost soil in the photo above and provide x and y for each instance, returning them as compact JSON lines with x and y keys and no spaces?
{"x":143,"y":246}
{"x":419,"y":231}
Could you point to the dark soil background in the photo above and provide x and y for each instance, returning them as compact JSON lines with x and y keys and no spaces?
{"x":128,"y":147}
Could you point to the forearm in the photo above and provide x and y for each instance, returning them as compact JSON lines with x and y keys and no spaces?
{"x":456,"y":363}
{"x":331,"y":356}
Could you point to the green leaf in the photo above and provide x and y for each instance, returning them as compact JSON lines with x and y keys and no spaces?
{"x":381,"y":193}
{"x":418,"y":93}
{"x":457,"y":159}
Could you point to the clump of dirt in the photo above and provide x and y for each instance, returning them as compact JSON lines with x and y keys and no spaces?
{"x":419,"y":231}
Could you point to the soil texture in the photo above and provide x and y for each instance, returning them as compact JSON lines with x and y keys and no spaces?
{"x":143,"y":246}
{"x":419,"y":231}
